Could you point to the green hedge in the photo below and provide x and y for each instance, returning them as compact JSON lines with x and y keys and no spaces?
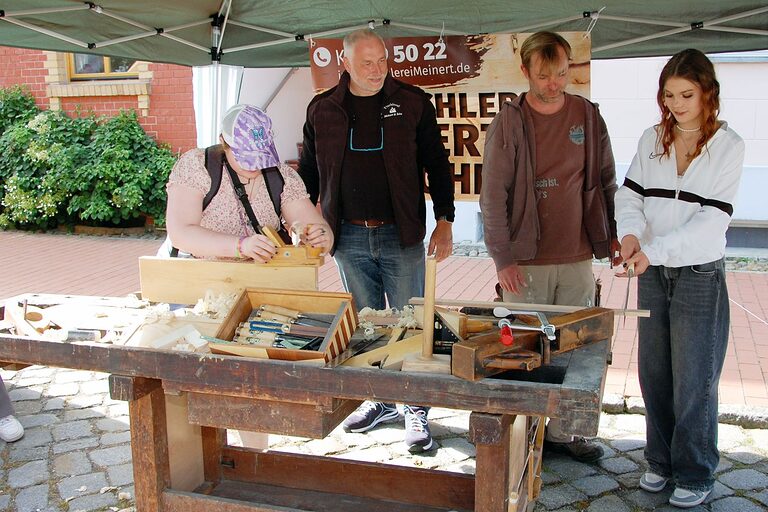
{"x":56,"y":169}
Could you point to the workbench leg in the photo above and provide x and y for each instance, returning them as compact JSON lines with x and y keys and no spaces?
{"x":500,"y":465}
{"x":185,"y":445}
{"x":214,"y":440}
{"x":149,"y":441}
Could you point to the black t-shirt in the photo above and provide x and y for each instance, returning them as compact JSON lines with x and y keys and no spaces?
{"x":365,"y":190}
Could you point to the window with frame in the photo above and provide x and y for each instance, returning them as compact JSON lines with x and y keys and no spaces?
{"x":84,"y":66}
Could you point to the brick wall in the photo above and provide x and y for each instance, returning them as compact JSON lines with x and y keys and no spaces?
{"x":170,"y":117}
{"x":22,"y":66}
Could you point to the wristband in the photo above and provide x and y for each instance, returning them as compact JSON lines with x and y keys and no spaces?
{"x":239,"y":247}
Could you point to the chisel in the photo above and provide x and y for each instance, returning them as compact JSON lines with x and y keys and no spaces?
{"x":298,"y":315}
{"x":307,"y":330}
{"x":247,"y":331}
{"x":276,"y":317}
{"x":271,"y":338}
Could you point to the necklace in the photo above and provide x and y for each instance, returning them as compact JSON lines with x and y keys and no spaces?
{"x":687,"y":145}
{"x":687,"y":130}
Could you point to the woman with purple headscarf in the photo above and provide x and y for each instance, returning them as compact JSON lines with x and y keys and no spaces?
{"x":223,"y":229}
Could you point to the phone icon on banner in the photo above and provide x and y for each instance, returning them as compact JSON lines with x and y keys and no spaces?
{"x":321,"y":56}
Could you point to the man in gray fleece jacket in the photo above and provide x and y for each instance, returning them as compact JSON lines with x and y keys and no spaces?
{"x":547,"y":196}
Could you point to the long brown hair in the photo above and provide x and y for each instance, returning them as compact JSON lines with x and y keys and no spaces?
{"x":693,"y":66}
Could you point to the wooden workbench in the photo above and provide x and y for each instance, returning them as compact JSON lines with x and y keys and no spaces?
{"x":213,"y":392}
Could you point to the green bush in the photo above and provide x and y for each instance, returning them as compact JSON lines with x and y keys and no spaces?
{"x":81,"y":170}
{"x":16,"y":106}
{"x":123,"y":176}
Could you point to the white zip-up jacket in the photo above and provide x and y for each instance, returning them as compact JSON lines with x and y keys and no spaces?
{"x":681,"y":221}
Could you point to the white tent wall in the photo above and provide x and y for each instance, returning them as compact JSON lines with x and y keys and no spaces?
{"x":288,"y":104}
{"x":215,"y":88}
{"x":626,"y":92}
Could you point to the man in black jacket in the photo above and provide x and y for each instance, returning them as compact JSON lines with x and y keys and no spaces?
{"x":367,"y":142}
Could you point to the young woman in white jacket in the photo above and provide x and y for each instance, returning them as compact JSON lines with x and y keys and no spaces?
{"x":672,"y":214}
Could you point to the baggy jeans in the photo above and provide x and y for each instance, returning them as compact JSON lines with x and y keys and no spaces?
{"x":680,"y":357}
{"x":6,"y":407}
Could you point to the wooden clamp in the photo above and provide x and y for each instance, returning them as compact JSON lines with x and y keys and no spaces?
{"x":483,"y":355}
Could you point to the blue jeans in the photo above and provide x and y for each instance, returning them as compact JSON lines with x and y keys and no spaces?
{"x":680,"y":357}
{"x":373,"y":265}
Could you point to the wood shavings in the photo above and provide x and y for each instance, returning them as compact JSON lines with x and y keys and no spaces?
{"x":160,"y":313}
{"x":124,"y":496}
{"x":367,"y":312}
{"x":107,"y":489}
{"x":368,"y":328}
{"x":215,"y":306}
{"x":389,"y":317}
{"x":407,"y":318}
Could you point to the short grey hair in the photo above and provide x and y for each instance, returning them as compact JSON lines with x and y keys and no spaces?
{"x":351,"y":39}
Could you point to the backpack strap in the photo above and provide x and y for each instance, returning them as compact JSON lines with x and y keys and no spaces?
{"x":214,"y":160}
{"x":274,"y":181}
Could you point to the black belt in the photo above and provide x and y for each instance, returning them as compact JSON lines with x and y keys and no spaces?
{"x":369,"y":223}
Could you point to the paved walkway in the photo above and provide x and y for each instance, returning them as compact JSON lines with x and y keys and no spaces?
{"x":75,"y":454}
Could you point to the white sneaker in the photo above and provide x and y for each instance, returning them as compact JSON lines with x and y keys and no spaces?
{"x":10,"y":429}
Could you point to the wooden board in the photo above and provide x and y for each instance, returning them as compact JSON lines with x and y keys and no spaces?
{"x":315,"y":420}
{"x":97,"y":317}
{"x":185,"y":280}
{"x":389,"y":356}
{"x":185,"y":448}
{"x":146,"y":334}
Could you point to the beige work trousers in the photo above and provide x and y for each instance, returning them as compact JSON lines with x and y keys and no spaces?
{"x":570,"y":284}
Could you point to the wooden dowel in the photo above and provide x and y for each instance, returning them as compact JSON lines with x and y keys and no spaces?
{"x":429,"y":308}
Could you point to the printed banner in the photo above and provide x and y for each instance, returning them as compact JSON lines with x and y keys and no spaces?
{"x":468,"y":76}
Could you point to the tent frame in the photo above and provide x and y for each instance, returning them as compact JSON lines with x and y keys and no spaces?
{"x":219,"y":23}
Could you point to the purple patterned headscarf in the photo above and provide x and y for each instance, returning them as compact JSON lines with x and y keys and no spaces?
{"x":248,"y":131}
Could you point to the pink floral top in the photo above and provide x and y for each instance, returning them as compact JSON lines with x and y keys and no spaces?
{"x":225,"y":213}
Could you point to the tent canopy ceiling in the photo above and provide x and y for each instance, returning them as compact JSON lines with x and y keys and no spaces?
{"x":276,"y":33}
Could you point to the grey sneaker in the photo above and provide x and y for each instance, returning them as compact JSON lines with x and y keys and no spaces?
{"x":370,"y":414}
{"x":652,"y":482}
{"x":417,"y":435}
{"x":580,"y":449}
{"x":687,"y":498}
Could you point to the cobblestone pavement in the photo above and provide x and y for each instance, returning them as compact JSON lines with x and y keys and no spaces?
{"x":75,"y":455}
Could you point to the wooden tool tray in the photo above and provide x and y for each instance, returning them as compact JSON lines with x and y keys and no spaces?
{"x":334,"y":342}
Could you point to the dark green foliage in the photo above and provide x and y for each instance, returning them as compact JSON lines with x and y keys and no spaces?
{"x":15,"y":106}
{"x":84,"y":170}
